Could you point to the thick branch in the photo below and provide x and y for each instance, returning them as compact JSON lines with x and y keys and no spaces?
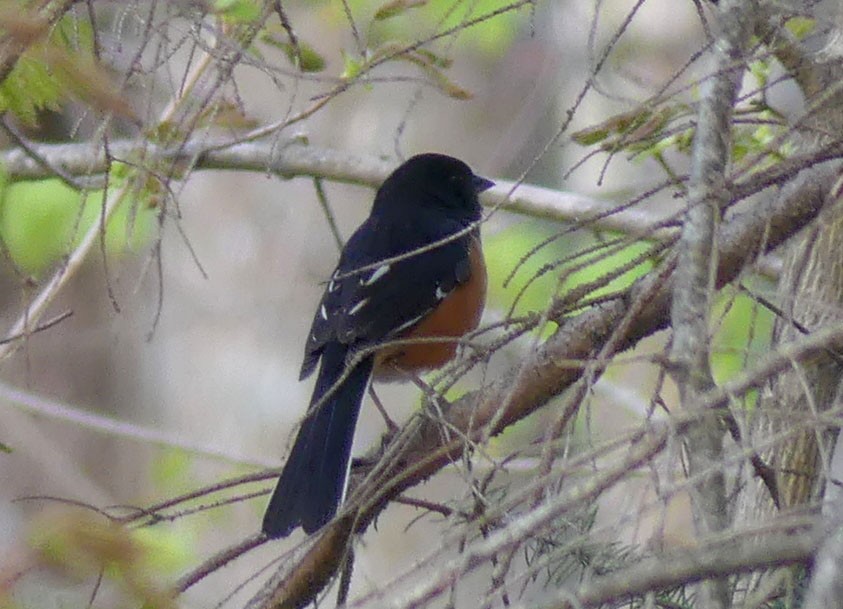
{"x":295,"y":158}
{"x":694,"y":288}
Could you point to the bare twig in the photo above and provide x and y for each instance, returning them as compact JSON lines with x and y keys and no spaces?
{"x":40,"y":328}
{"x":62,"y":412}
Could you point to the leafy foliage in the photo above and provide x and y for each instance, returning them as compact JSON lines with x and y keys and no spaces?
{"x":59,"y":65}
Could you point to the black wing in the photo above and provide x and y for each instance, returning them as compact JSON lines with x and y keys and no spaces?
{"x":363,"y":308}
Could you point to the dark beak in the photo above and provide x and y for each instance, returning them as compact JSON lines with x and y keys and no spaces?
{"x":480,"y":184}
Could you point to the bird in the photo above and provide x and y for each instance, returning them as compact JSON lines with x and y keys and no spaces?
{"x":413,"y":269}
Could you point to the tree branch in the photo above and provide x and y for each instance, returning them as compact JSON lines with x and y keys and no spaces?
{"x":59,"y":411}
{"x":694,"y":288}
{"x":792,"y":546}
{"x":298,"y":159}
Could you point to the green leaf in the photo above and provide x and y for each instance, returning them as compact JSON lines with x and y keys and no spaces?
{"x":590,"y":135}
{"x":351,"y":66}
{"x":396,"y":7}
{"x":311,"y":59}
{"x":30,"y":88}
{"x":447,"y":86}
{"x":427,"y":62}
{"x":760,"y":69}
{"x":58,"y":63}
{"x":801,"y":26}
{"x":433,"y":59}
{"x":639,"y":126}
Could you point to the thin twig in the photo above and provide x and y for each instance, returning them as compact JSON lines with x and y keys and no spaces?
{"x":40,"y":328}
{"x":62,"y":412}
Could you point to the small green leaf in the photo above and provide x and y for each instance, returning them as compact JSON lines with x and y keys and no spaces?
{"x":801,"y":26}
{"x":311,"y":59}
{"x":29,"y":88}
{"x":164,"y":132}
{"x":425,"y":62}
{"x":434,"y":59}
{"x":447,"y":86}
{"x":761,"y":71}
{"x":396,"y":7}
{"x":228,"y":114}
{"x":352,"y":66}
{"x":590,"y":135}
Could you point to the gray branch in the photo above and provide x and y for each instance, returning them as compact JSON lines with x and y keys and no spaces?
{"x":776,"y":549}
{"x":298,"y":159}
{"x":696,"y":272}
{"x":826,"y":588}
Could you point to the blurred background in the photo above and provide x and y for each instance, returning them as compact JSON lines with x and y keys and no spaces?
{"x":190,"y":318}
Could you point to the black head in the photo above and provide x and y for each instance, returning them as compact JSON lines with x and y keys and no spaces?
{"x":433,"y":182}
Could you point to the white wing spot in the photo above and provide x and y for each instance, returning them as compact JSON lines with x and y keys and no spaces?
{"x":358,"y":306}
{"x":407,"y":324}
{"x":440,"y":294}
{"x":323,"y":312}
{"x":377,"y":274}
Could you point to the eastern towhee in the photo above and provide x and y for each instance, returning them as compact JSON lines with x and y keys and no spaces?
{"x":414,"y":269}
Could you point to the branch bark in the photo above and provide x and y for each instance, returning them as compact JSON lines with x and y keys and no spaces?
{"x":295,"y":158}
{"x":810,"y":294}
{"x":794,"y":546}
{"x":695,"y":275}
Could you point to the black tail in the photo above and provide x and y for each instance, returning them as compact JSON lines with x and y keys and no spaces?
{"x":311,"y":486}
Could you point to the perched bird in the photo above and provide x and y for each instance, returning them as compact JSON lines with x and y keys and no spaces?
{"x":413,"y":269}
